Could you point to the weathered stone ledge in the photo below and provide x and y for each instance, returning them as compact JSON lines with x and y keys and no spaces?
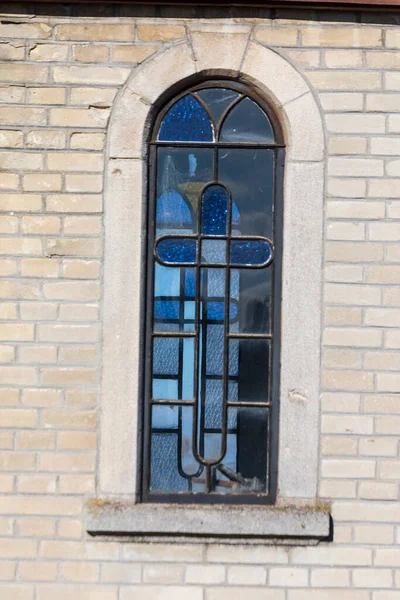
{"x":245,"y":524}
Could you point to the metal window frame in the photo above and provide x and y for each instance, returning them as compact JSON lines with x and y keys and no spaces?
{"x":268,"y":497}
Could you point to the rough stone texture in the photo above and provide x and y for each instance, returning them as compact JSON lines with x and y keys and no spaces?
{"x":78,"y":58}
{"x":256,"y":524}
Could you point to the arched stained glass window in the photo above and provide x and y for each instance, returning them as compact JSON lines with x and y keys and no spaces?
{"x":212,"y":350}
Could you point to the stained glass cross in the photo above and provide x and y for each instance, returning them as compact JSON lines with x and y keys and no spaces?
{"x":214,"y":245}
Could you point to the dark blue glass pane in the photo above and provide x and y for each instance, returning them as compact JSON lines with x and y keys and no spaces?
{"x":215,"y":310}
{"x":215,"y":210}
{"x":186,"y":121}
{"x":246,"y":122}
{"x":173,"y":211}
{"x":252,"y":252}
{"x":177,"y":250}
{"x":217,"y":100}
{"x":190,"y":283}
{"x":166,"y":309}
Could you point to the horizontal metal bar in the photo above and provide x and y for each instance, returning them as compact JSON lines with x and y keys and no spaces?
{"x":210,"y":236}
{"x":242,"y":146}
{"x":177,"y":334}
{"x":172,"y":402}
{"x":250,"y":336}
{"x":233,"y":404}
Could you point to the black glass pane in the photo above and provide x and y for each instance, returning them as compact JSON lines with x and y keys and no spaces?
{"x":246,"y":122}
{"x":181,"y":174}
{"x":186,"y":121}
{"x":249,"y":175}
{"x":254,"y":368}
{"x":251,"y":468}
{"x":217,"y":100}
{"x":253,"y":287}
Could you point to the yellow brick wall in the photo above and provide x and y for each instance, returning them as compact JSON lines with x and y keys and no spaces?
{"x":61,"y":68}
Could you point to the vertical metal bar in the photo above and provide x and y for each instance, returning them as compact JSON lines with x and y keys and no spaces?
{"x":195,"y":408}
{"x":182,"y":274}
{"x":225,"y":382}
{"x":203,"y":380}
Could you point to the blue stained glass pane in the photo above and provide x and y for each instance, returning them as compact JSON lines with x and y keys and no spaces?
{"x":165,"y":356}
{"x":166,"y":309}
{"x":216,"y":282}
{"x":165,"y":389}
{"x":186,"y":121}
{"x":172,"y":210}
{"x":250,"y":252}
{"x":213,"y":405}
{"x":215,"y":349}
{"x":213,"y":251}
{"x":215,"y":310}
{"x":215,"y":210}
{"x":164,"y":416}
{"x":190,"y":283}
{"x":177,"y":250}
{"x":164,"y":464}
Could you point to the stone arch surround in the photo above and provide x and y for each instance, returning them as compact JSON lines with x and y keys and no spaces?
{"x":231,"y":52}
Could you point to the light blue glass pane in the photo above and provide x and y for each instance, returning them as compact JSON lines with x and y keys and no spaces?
{"x":188,"y":369}
{"x":212,"y":445}
{"x":189,"y":464}
{"x":233,"y":359}
{"x":213,"y":251}
{"x":213,"y":405}
{"x":176,"y":250}
{"x":166,"y":309}
{"x":172,"y":211}
{"x":215,"y":210}
{"x":186,"y":121}
{"x":165,"y":417}
{"x":167,"y":281}
{"x":217,"y":100}
{"x":165,"y":389}
{"x":165,"y":356}
{"x":246,"y":122}
{"x":233,"y":391}
{"x":164,"y":475}
{"x":251,"y":252}
{"x":216,"y":282}
{"x":189,"y":310}
{"x":215,"y":349}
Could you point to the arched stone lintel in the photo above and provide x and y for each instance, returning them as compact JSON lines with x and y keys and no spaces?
{"x":230,"y":52}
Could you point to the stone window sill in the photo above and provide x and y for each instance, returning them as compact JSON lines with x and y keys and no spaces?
{"x":212,"y":523}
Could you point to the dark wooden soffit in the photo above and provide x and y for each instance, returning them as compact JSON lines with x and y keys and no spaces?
{"x":323,"y":4}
